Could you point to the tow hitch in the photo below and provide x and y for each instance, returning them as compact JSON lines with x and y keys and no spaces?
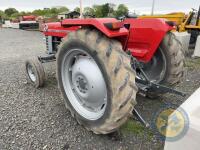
{"x":149,"y":86}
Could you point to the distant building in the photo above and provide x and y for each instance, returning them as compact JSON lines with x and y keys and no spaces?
{"x":65,"y":15}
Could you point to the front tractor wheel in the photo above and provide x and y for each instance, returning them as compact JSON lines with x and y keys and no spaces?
{"x":96,"y":80}
{"x":35,"y":72}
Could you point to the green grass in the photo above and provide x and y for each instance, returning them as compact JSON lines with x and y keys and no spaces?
{"x":192,"y":63}
{"x":136,"y":128}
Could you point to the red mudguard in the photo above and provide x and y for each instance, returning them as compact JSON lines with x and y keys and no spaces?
{"x":146,"y":36}
{"x":142,"y":39}
{"x":69,"y":25}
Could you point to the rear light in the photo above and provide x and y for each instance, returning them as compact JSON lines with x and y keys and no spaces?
{"x":114,"y":25}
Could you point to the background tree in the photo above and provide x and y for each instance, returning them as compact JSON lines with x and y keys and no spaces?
{"x":97,"y":11}
{"x":121,"y":10}
{"x":15,"y":16}
{"x":88,"y":11}
{"x":100,"y":11}
{"x":77,"y":9}
{"x":39,"y":12}
{"x":51,"y":12}
{"x":10,"y":11}
{"x":63,"y":9}
{"x":111,"y":12}
{"x":2,"y":14}
{"x":105,"y":10}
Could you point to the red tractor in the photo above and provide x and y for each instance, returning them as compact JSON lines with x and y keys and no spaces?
{"x":103,"y":63}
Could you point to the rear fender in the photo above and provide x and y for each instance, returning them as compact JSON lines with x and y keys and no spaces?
{"x":61,"y":29}
{"x":146,"y":36}
{"x":98,"y":24}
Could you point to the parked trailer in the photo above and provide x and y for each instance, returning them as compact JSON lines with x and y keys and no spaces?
{"x":28,"y":22}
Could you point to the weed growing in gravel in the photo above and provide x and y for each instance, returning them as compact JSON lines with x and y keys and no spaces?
{"x":192,"y":63}
{"x":136,"y":128}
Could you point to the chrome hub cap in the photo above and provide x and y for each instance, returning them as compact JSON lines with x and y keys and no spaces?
{"x":31,"y":73}
{"x":84,"y":84}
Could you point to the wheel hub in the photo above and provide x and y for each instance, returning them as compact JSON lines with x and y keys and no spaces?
{"x":87,"y":79}
{"x":84,"y":84}
{"x":31,"y":73}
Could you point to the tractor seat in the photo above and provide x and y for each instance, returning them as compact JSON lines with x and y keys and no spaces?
{"x":131,"y":15}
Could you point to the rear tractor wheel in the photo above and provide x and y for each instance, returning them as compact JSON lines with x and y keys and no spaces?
{"x":167,"y":65}
{"x":96,"y":80}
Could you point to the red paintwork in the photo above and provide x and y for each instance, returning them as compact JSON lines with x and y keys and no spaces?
{"x":29,"y":18}
{"x":146,"y":36}
{"x":142,"y":39}
{"x":99,"y":24}
{"x":56,"y":29}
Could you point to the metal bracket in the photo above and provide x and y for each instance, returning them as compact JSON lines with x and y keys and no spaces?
{"x":149,"y":85}
{"x":46,"y":59}
{"x":140,"y":118}
{"x":153,"y":87}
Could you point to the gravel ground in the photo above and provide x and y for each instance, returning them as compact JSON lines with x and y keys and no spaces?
{"x":37,"y":119}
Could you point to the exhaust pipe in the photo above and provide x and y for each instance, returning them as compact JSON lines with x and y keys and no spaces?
{"x":81,"y":9}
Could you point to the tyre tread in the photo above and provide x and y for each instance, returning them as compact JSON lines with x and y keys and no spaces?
{"x":117,"y":66}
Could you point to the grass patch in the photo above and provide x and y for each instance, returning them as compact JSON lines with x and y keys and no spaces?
{"x":136,"y":128}
{"x":192,"y":63}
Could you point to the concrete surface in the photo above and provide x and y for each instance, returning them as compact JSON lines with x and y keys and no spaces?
{"x":190,"y":141}
{"x":184,"y":38}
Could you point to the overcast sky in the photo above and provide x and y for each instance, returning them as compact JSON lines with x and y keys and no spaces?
{"x":141,"y":6}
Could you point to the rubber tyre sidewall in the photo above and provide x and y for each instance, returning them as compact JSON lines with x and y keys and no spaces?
{"x":170,"y":59}
{"x":78,"y":44}
{"x":38,"y":71}
{"x":168,"y":64}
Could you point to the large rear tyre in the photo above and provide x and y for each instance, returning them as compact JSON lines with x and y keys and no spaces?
{"x":167,"y":65}
{"x":96,"y":80}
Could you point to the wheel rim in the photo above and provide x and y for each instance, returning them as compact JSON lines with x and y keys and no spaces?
{"x":157,"y":67}
{"x":31,"y":73}
{"x":84,"y":84}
